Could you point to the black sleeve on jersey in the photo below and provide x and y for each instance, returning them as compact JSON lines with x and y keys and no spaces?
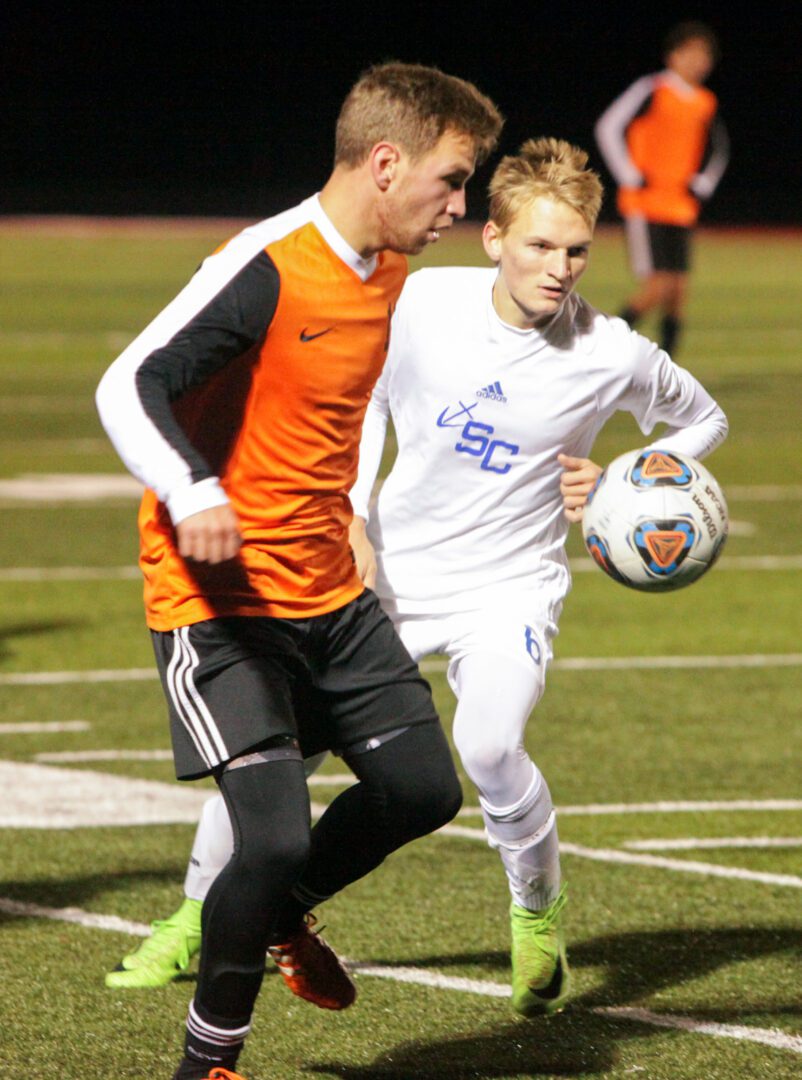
{"x":717,"y":145}
{"x":231,"y":324}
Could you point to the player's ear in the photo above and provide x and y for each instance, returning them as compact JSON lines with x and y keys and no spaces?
{"x":491,"y":238}
{"x":384,"y":159}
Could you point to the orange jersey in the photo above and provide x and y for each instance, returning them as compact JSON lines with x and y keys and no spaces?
{"x":656,"y":138}
{"x":268,"y":384}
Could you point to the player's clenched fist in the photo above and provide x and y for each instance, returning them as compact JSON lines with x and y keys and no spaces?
{"x":576,"y":483}
{"x":210,"y":536}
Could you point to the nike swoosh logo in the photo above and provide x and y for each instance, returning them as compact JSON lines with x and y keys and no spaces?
{"x":311,"y":337}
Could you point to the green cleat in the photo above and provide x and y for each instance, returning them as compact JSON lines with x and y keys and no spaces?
{"x":165,"y":954}
{"x":540,"y":976}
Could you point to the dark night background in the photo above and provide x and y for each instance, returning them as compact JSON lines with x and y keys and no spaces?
{"x":230,"y":109}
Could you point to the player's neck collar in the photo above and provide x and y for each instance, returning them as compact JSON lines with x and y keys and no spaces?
{"x":362,"y":267}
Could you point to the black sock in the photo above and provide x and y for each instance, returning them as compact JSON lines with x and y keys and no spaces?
{"x":210,"y":1041}
{"x":629,"y":315}
{"x":670,"y":327}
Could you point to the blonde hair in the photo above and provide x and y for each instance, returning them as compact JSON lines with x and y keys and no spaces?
{"x":412,"y":105}
{"x":544,"y":167}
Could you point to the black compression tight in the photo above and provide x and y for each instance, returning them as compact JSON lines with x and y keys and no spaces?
{"x":406,"y":788}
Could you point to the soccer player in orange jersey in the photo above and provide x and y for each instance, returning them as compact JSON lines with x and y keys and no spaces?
{"x":667,"y":148}
{"x":240,"y":408}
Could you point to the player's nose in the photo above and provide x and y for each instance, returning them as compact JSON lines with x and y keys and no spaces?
{"x":560,"y":264}
{"x":456,"y":204}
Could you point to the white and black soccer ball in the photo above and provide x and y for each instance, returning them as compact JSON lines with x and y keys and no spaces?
{"x":655,"y":520}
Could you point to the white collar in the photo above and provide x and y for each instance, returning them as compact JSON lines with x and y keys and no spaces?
{"x":363,"y":268}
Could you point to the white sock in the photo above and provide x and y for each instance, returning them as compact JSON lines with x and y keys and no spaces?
{"x":525,"y":836}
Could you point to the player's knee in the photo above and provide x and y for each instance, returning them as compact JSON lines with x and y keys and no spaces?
{"x":488,"y":758}
{"x":284,"y":853}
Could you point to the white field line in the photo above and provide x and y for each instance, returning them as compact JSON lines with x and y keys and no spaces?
{"x":57,"y":678}
{"x":779,"y":1040}
{"x":683,"y":806}
{"x":684,"y":866}
{"x":43,"y":726}
{"x":575,"y":663}
{"x":69,"y":573}
{"x":72,"y":757}
{"x":764,"y":492}
{"x":611,"y":855}
{"x":581,"y":566}
{"x":625,"y":663}
{"x":712,"y":843}
{"x":686,"y":806}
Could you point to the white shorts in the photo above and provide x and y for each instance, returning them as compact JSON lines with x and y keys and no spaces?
{"x":519,"y":627}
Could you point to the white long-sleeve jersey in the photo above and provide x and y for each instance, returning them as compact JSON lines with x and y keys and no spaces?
{"x":481,"y":410}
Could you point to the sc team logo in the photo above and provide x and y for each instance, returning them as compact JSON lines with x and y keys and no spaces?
{"x":476,"y":439}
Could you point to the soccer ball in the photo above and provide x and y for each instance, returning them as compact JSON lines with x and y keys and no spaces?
{"x":655,"y":520}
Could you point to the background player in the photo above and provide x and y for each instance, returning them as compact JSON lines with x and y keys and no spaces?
{"x":240,"y":408}
{"x":667,"y":148}
{"x":497,"y":382}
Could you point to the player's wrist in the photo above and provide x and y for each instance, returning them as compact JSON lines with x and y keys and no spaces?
{"x":203,"y":495}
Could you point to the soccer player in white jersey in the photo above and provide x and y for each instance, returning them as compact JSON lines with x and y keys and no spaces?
{"x":497,"y":382}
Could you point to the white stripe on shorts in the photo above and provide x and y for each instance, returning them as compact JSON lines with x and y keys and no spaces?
{"x":190,"y":706}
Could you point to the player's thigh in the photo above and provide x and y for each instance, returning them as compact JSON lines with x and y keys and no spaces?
{"x":226,"y":691}
{"x":497,"y":670}
{"x":370,"y":684}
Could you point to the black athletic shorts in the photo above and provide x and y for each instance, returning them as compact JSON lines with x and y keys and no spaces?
{"x":654,"y":246}
{"x":331,"y":682}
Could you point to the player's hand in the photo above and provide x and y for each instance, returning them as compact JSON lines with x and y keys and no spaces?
{"x":210,"y":536}
{"x":363,"y":551}
{"x":576,"y":483}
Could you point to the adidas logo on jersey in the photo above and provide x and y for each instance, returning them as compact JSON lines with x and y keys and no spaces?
{"x":493,"y":392}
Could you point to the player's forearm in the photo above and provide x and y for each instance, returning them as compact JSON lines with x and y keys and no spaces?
{"x":159,"y":455}
{"x":371,"y":447}
{"x":700,"y":437}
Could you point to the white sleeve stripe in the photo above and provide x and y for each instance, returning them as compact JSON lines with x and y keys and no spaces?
{"x":140,"y":444}
{"x":611,"y":131}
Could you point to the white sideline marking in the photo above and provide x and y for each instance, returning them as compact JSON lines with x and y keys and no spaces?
{"x":57,"y":757}
{"x":69,"y":573}
{"x":688,"y":866}
{"x":48,"y":797}
{"x":611,"y":855}
{"x":620,"y":663}
{"x":33,"y":726}
{"x":624,"y":663}
{"x":681,"y":806}
{"x":56,"y":678}
{"x":780,"y":1040}
{"x":709,"y":843}
{"x":575,"y":663}
{"x":71,"y":486}
{"x":764,"y":492}
{"x":421,"y":977}
{"x":73,"y":756}
{"x":74,"y":915}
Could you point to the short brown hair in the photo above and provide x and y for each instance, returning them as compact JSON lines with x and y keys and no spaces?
{"x":412,"y":105}
{"x":690,"y":31}
{"x":544,"y":167}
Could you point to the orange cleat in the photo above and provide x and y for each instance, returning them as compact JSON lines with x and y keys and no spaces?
{"x":312,"y":969}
